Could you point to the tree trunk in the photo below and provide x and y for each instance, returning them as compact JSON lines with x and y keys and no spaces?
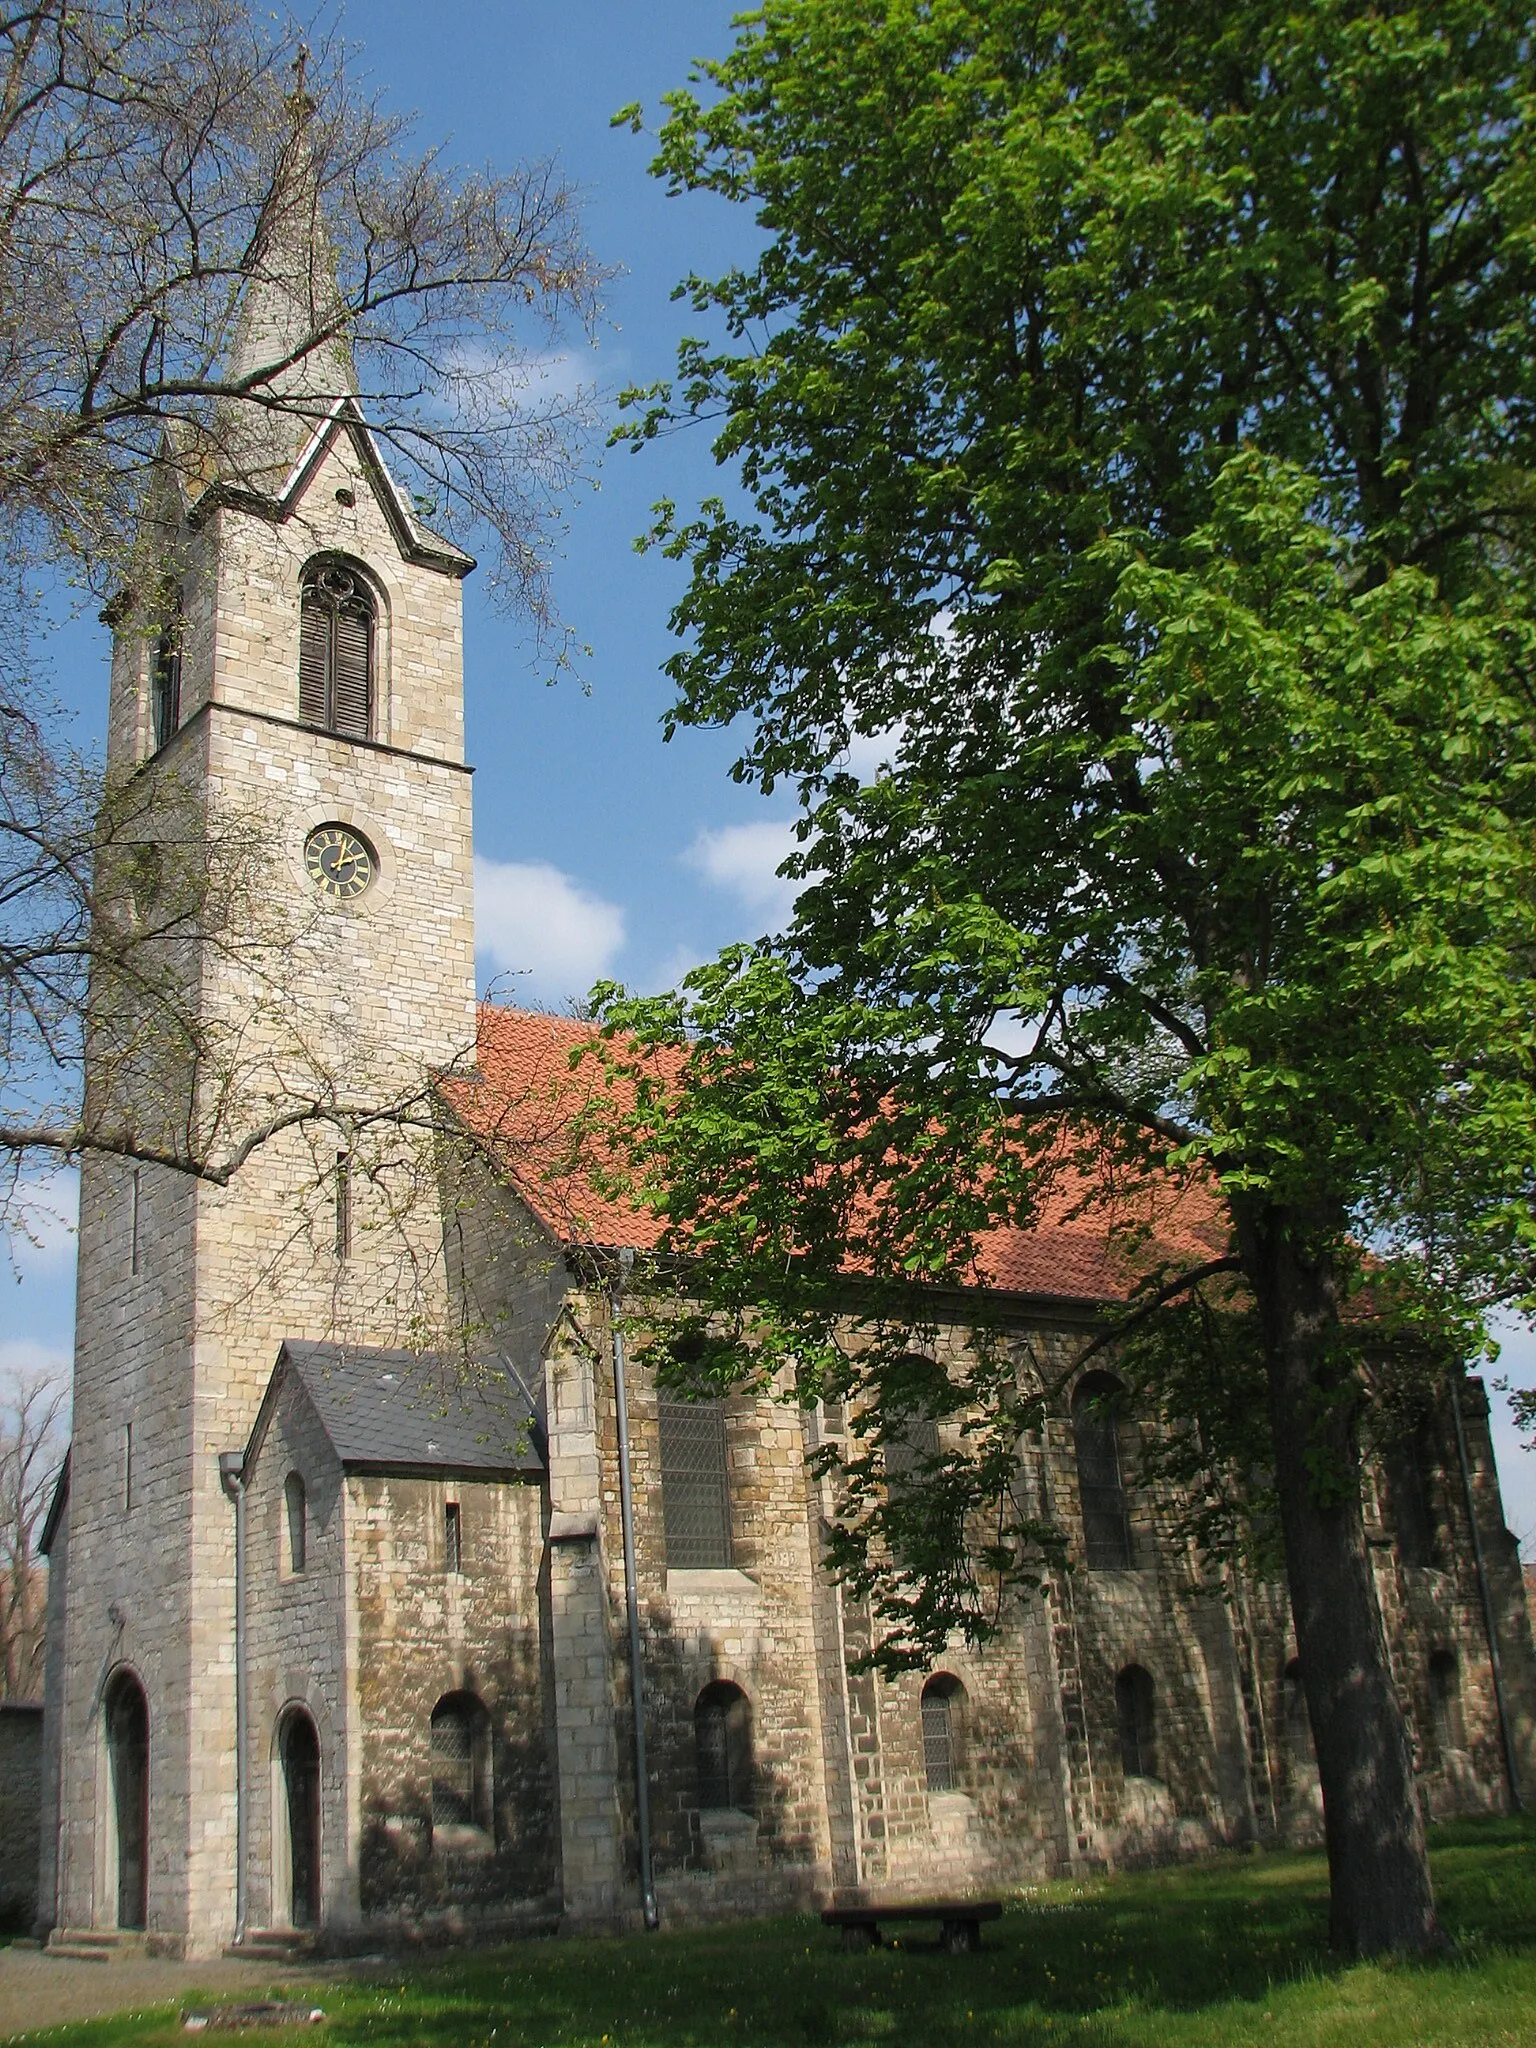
{"x":1378,"y":1867}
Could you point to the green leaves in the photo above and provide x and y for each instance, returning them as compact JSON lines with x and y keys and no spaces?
{"x":1139,"y":427}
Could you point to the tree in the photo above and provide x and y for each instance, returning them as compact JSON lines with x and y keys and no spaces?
{"x":33,"y":1407}
{"x":1136,"y":410}
{"x":208,"y":234}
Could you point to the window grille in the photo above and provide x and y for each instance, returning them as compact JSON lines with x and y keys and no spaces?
{"x":165,"y":679}
{"x":695,"y":1493}
{"x":1134,"y":1709}
{"x":297,"y":1519}
{"x":938,"y":1737}
{"x":460,"y":1763}
{"x":453,"y":1538}
{"x":1101,"y":1489}
{"x":336,"y":652}
{"x":722,"y":1731}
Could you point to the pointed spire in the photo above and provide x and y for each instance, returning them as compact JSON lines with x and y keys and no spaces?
{"x":291,"y":294}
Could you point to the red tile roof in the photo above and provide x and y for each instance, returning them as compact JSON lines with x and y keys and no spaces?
{"x":1088,"y":1244}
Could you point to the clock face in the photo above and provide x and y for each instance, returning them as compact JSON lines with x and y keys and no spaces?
{"x":341,"y":864}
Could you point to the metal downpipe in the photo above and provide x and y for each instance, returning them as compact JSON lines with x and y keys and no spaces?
{"x":232,"y":1478}
{"x":631,"y":1597}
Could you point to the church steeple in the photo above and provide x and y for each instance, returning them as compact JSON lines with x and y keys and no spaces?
{"x":290,"y":350}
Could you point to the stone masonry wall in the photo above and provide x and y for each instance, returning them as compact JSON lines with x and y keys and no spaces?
{"x":423,"y":1632}
{"x":297,"y":1659}
{"x":21,"y":1809}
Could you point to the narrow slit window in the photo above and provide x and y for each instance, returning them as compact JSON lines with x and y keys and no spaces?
{"x":135,"y":1201}
{"x":453,"y":1538}
{"x":336,"y":651}
{"x":343,"y":1205}
{"x":296,"y":1518}
{"x":127,"y":1467}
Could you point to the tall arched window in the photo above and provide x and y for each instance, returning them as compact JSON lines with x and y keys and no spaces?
{"x":943,"y":1710}
{"x":461,"y":1763}
{"x":722,"y":1736}
{"x":295,"y":1526}
{"x":695,"y":1490}
{"x":165,"y":677}
{"x":336,"y":650}
{"x":1138,"y":1730}
{"x":1445,"y":1701}
{"x":1298,"y":1722}
{"x":1095,"y":1437}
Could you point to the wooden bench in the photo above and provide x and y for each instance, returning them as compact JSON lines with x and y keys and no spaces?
{"x":959,"y":1921}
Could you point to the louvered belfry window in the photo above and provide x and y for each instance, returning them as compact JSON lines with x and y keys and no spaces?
{"x":336,"y":651}
{"x":695,"y":1497}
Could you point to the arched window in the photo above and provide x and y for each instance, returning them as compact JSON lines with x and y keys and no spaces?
{"x":126,"y":1713}
{"x":165,"y":677}
{"x":722,"y":1736}
{"x":1297,"y":1721}
{"x":695,"y":1493}
{"x":943,"y":1710}
{"x":461,"y":1763}
{"x":1138,"y":1732}
{"x":295,"y":1526}
{"x":336,"y":650}
{"x":1095,"y":1437}
{"x":1445,"y":1701}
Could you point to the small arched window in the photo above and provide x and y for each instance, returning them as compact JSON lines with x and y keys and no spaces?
{"x":461,"y":1763}
{"x":1096,"y":1441}
{"x":336,"y":650}
{"x":295,"y":1526}
{"x":1138,"y":1730}
{"x":722,"y":1736}
{"x":943,"y":1710}
{"x":1297,"y":1721}
{"x":1445,"y":1701}
{"x":165,"y":677}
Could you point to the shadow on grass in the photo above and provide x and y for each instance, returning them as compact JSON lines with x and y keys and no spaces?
{"x":1171,"y":1955}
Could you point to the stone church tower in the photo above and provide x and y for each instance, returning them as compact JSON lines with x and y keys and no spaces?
{"x":301,"y":697}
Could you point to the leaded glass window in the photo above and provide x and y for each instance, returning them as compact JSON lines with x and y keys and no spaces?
{"x":1101,"y":1489}
{"x":695,"y":1494}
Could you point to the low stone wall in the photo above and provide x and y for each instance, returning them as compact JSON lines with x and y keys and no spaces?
{"x":21,"y":1811}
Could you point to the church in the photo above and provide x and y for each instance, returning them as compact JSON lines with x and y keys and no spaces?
{"x":346,"y":1643}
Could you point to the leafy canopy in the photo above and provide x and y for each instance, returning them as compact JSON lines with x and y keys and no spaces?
{"x":1136,"y":410}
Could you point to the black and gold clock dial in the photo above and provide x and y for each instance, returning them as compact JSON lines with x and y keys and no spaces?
{"x":341,"y":863}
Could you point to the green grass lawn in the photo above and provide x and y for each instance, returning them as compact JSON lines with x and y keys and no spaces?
{"x":1228,"y":1952}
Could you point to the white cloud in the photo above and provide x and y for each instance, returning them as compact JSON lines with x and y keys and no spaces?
{"x":539,"y":924}
{"x":42,"y":1223}
{"x":744,"y":859}
{"x":20,"y":1356}
{"x":868,"y":755}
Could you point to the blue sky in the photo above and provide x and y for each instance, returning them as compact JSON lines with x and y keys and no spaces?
{"x":601,"y":850}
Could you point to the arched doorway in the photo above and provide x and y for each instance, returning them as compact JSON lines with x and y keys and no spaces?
{"x":127,"y":1730}
{"x":298,"y":1750}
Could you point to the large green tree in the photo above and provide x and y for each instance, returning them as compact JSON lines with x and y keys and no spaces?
{"x":1135,"y":411}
